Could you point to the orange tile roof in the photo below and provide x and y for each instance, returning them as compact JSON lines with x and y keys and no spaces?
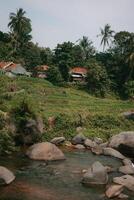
{"x":3,"y":65}
{"x":80,"y":70}
{"x":7,"y":66}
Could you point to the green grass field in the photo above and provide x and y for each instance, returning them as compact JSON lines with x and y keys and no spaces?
{"x":100,"y":117}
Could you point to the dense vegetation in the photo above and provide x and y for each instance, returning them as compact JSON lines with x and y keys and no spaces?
{"x":116,"y":62}
{"x":23,"y":99}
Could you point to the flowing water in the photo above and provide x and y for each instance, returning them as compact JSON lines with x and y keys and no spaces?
{"x":36,"y":180}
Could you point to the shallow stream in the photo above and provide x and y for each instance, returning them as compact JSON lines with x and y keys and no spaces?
{"x":36,"y":180}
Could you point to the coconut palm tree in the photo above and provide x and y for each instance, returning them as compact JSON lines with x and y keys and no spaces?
{"x":20,"y":26}
{"x":86,"y":47}
{"x":106,"y":35}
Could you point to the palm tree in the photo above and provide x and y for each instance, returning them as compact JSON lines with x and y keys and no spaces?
{"x":106,"y":35}
{"x":20,"y":26}
{"x":86,"y":47}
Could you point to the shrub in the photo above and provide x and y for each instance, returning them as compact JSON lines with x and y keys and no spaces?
{"x":129,"y":89}
{"x":25,"y":119}
{"x":54,"y":75}
{"x":6,"y":142}
{"x":97,"y":79}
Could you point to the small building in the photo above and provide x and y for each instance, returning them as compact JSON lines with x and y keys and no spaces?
{"x":41,"y":71}
{"x":12,"y":69}
{"x":78,"y":74}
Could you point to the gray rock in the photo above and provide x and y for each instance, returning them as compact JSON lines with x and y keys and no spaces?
{"x":79,"y":146}
{"x":126,"y":180}
{"x":95,"y":175}
{"x":127,"y":169}
{"x":127,"y":161}
{"x":89,"y":143}
{"x":58,"y":140}
{"x":79,"y":139}
{"x":98,"y":140}
{"x":126,"y":138}
{"x":97,"y":150}
{"x":114,"y":191}
{"x":123,"y":196}
{"x":112,"y":152}
{"x":129,"y":115}
{"x":6,"y":175}
{"x":45,"y":151}
{"x":104,"y":145}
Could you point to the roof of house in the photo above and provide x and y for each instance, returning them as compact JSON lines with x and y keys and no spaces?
{"x":42,"y":68}
{"x":4,"y":65}
{"x":80,"y":70}
{"x":13,"y":68}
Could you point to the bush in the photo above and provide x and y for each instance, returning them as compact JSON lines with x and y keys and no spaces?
{"x":129,"y":89}
{"x":97,"y":79}
{"x":54,"y":75}
{"x":7,"y":144}
{"x":25,"y":119}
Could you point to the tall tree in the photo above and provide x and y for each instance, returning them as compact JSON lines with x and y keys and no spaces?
{"x":20,"y":27}
{"x":63,"y":58}
{"x":87,"y":48}
{"x":106,"y":35}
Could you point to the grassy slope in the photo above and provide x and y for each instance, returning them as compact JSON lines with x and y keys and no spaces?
{"x":101,"y":117}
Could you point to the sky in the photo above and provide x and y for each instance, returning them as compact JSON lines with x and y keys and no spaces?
{"x":57,"y":21}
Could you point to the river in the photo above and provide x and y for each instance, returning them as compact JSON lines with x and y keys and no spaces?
{"x":36,"y":180}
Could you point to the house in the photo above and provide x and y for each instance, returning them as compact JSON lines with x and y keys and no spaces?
{"x":41,"y":71}
{"x":78,"y":74}
{"x":12,"y":69}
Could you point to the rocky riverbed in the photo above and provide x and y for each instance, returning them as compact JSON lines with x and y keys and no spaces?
{"x":81,"y":169}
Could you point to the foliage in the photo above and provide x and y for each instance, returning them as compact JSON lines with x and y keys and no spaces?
{"x":129,"y":89}
{"x":70,"y":107}
{"x":54,"y":75}
{"x":87,"y":48}
{"x":46,"y":56}
{"x":97,"y":79}
{"x":106,"y":35}
{"x":31,"y":56}
{"x":7,"y":143}
{"x":117,"y":61}
{"x":20,"y":27}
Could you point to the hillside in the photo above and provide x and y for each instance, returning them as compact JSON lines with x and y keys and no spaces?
{"x":70,"y":107}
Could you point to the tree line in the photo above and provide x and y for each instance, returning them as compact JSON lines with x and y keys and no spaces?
{"x":111,"y":70}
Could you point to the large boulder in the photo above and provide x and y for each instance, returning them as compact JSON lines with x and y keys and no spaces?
{"x":129,"y":115}
{"x":58,"y":140}
{"x":98,"y":150}
{"x":127,"y":169}
{"x":112,"y":152}
{"x":6,"y":175}
{"x":126,"y":180}
{"x":89,"y":143}
{"x":126,"y":138}
{"x":127,"y":161}
{"x":114,"y":190}
{"x":95,"y":175}
{"x":45,"y":151}
{"x":124,"y":142}
{"x":79,"y":139}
